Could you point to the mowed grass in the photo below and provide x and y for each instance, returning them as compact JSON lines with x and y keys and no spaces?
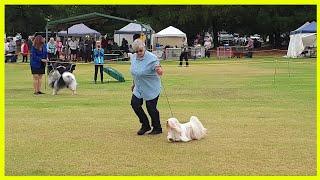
{"x":258,"y":123}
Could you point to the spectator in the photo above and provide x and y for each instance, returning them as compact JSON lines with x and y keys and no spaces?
{"x":12,"y":46}
{"x":130,"y":49}
{"x":73,"y":45}
{"x":109,"y":47}
{"x":81,"y":49}
{"x":51,"y":49}
{"x":104,"y":43}
{"x":207,"y":46}
{"x":98,"y":56}
{"x":250,"y":47}
{"x":124,"y":45}
{"x":6,"y":46}
{"x":24,"y":51}
{"x":87,"y":49}
{"x":184,"y":54}
{"x":59,"y":47}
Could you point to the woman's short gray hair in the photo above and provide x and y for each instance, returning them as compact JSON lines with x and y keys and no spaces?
{"x":138,"y":44}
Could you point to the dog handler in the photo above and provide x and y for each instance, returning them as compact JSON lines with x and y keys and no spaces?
{"x":145,"y":70}
{"x":38,"y":59}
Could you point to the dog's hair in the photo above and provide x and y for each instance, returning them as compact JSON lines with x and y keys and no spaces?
{"x":192,"y":130}
{"x":60,"y":78}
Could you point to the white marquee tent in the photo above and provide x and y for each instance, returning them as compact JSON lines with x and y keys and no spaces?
{"x":169,"y":36}
{"x":79,"y":30}
{"x":129,"y":30}
{"x":304,"y":36}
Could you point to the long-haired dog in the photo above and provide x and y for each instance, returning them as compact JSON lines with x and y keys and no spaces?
{"x":60,"y":78}
{"x":192,"y":130}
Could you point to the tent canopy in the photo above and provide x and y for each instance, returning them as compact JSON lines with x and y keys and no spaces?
{"x":134,"y":28}
{"x":79,"y":30}
{"x":170,"y":32}
{"x":310,"y":40}
{"x":304,"y":36}
{"x":170,"y":36}
{"x":67,"y":22}
{"x":306,"y":28}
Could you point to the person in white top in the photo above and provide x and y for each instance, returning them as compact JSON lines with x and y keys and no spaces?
{"x":73,"y":45}
{"x":207,"y":46}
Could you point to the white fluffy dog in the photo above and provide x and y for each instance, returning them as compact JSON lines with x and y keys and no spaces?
{"x":58,"y":81}
{"x":185,"y":132}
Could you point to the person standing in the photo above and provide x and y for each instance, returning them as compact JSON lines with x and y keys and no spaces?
{"x":73,"y":45}
{"x":87,"y":49}
{"x":51,"y":49}
{"x":12,"y":46}
{"x":59,"y":47}
{"x":30,"y":42}
{"x":24,"y":51}
{"x":145,"y":70}
{"x":38,"y":62}
{"x":184,"y":55}
{"x":98,"y":56}
{"x":250,"y":47}
{"x":124,"y":45}
{"x":207,"y":46}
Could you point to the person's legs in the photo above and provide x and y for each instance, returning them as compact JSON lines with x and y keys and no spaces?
{"x":35,"y":83}
{"x":154,"y":114}
{"x":101,"y":73}
{"x":181,"y":58}
{"x":39,"y":82}
{"x":86,"y":56}
{"x":136,"y":105}
{"x":95,"y":73}
{"x":186,"y":58}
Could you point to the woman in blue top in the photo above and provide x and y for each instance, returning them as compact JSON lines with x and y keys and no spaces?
{"x":98,"y":56}
{"x":145,"y":70}
{"x":38,"y":59}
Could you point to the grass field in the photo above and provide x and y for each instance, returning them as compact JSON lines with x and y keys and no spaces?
{"x":258,"y":123}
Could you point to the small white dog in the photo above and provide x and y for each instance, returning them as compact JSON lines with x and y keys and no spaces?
{"x":58,"y":81}
{"x":185,"y":132}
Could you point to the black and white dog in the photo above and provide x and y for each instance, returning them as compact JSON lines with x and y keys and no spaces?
{"x":61,"y":76}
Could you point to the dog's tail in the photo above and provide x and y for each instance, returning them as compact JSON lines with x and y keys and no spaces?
{"x":197,"y":128}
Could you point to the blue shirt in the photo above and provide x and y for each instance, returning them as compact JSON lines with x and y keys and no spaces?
{"x":98,"y":56}
{"x":146,"y":80}
{"x":36,"y":56}
{"x":51,"y":48}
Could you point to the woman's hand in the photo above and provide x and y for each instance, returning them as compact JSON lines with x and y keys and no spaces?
{"x":44,"y":60}
{"x":159,"y":70}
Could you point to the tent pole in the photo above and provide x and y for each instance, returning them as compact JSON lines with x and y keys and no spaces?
{"x":67,"y":44}
{"x":46,"y":34}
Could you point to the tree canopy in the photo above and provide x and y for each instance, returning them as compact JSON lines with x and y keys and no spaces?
{"x":272,"y":20}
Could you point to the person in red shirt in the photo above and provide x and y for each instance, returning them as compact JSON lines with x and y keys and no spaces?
{"x":24,"y":51}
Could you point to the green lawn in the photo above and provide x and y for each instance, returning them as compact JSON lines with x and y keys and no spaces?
{"x":258,"y":123}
